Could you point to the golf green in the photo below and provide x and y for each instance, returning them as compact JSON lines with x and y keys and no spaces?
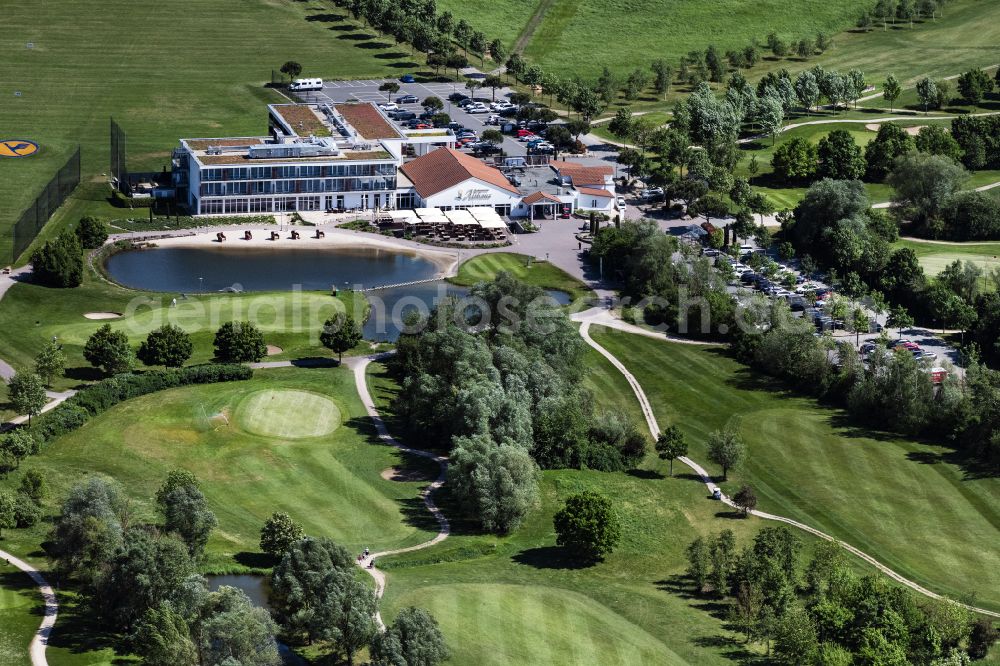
{"x":287,"y":414}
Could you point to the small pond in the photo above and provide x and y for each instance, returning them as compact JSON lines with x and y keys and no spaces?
{"x":197,"y":269}
{"x":257,"y":588}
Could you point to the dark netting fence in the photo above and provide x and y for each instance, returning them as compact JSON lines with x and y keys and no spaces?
{"x":38,"y":213}
{"x":119,"y":167}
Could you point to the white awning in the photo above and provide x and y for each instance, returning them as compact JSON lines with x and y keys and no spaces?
{"x":404,"y":216}
{"x":487,"y":217}
{"x":431,"y":215}
{"x":461,"y":217}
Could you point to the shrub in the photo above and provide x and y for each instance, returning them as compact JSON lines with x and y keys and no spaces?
{"x":239,"y":342}
{"x":58,"y":263}
{"x":26,"y":512}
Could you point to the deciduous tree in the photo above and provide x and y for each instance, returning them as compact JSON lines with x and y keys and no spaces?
{"x":587,"y":526}
{"x":726,"y":449}
{"x":340,"y":333}
{"x":109,"y":350}
{"x":279,"y":533}
{"x":50,"y":362}
{"x":670,"y":445}
{"x":239,"y":342}
{"x":168,"y":345}
{"x":27,"y":394}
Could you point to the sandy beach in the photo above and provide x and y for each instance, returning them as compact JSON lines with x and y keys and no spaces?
{"x":446,"y":261}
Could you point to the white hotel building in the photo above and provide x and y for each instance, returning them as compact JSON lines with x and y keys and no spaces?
{"x":316,"y":157}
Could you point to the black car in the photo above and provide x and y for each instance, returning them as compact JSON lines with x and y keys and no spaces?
{"x":457,"y":97}
{"x":404,"y":116}
{"x":407,"y":99}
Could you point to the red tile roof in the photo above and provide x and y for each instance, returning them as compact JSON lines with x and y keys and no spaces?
{"x":443,"y":168}
{"x":594,"y":192}
{"x":367,"y":120}
{"x":583,"y":175}
{"x":539,"y":196}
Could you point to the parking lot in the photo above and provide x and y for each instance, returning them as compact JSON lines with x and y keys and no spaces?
{"x":368,"y":91}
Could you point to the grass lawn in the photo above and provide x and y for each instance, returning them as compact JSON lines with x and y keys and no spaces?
{"x":935,"y":256}
{"x":484,"y":267}
{"x":20,"y":614}
{"x":163,"y":74}
{"x":900,"y":501}
{"x":504,"y":600}
{"x":30,"y":315}
{"x":252,"y":458}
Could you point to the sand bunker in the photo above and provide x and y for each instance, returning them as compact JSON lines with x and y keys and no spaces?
{"x":912,"y":131}
{"x":102,"y":315}
{"x":272,"y":350}
{"x":397,"y":474}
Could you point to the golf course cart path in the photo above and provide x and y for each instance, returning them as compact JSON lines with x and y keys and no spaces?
{"x":654,"y":428}
{"x":41,"y":639}
{"x":360,"y":366}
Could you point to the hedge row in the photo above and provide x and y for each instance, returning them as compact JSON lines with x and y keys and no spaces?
{"x":104,"y":395}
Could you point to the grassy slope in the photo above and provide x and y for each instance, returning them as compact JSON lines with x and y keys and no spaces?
{"x":513,"y":600}
{"x":485,"y":267}
{"x":329,"y":484}
{"x":163,"y":74}
{"x":897,"y":500}
{"x":935,"y":256}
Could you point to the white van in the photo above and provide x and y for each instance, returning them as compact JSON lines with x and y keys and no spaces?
{"x":306,"y":84}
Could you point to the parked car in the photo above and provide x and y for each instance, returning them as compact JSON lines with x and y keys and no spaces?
{"x":407,"y":78}
{"x":494,"y":120}
{"x":477,"y":108}
{"x":621,"y":206}
{"x":457,"y":97}
{"x":407,"y":99}
{"x":388,"y":106}
{"x":466,"y":101}
{"x":403,"y":115}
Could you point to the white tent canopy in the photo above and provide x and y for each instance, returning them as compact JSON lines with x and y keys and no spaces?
{"x":487,"y":217}
{"x":461,"y":217}
{"x":431,"y":215}
{"x":404,"y":216}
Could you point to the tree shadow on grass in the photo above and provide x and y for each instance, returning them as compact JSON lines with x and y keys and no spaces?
{"x":549,"y":557}
{"x":730,"y":647}
{"x":84,"y":374}
{"x":253,"y":560}
{"x":373,"y":45}
{"x":648,"y":474}
{"x":730,"y":515}
{"x":326,"y":18}
{"x":416,"y":514}
{"x":392,"y":55}
{"x":403,"y":65}
{"x":78,"y":631}
{"x":341,"y":28}
{"x":315,"y":362}
{"x":356,"y":36}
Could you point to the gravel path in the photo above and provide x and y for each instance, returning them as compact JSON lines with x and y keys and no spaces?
{"x":654,"y":428}
{"x":359,"y":365}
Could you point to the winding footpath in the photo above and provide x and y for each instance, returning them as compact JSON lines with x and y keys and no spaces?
{"x":654,"y":429}
{"x":360,"y":365}
{"x":41,"y":640}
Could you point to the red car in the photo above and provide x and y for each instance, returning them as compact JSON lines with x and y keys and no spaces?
{"x":524,"y":132}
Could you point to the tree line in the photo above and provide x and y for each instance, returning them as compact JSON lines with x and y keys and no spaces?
{"x":820,"y":612}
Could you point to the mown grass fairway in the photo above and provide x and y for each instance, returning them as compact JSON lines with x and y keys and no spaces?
{"x":552,"y":626}
{"x":30,"y":315}
{"x":287,"y":414}
{"x":935,"y":256}
{"x":20,"y":615}
{"x":330,"y":484}
{"x":903,"y":502}
{"x":484,"y":267}
{"x":163,"y":74}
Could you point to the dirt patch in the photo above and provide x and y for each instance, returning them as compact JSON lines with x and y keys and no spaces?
{"x":912,"y":131}
{"x":272,"y":350}
{"x":102,"y":315}
{"x":396,"y":474}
